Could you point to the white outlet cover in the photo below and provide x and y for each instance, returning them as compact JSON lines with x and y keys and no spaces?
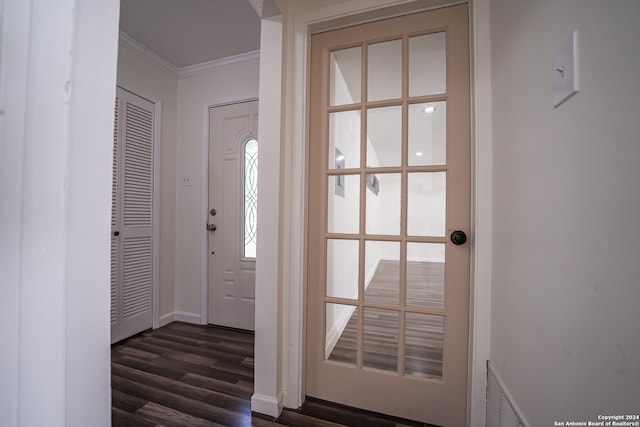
{"x":565,"y":71}
{"x":185,"y":180}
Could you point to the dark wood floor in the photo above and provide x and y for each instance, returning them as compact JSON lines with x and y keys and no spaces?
{"x":424,"y":333}
{"x":190,"y":375}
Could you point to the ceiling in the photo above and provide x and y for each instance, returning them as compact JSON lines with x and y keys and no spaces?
{"x":189,"y":32}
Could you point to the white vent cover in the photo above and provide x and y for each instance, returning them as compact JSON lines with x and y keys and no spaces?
{"x":501,"y":411}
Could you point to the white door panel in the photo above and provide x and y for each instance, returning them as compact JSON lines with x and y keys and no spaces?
{"x":231,"y":273}
{"x":132,"y":216}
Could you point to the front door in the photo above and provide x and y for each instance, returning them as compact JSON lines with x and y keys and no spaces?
{"x":233,"y":193}
{"x":389,"y":209}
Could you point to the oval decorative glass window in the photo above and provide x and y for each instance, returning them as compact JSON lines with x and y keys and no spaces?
{"x":250,"y":197}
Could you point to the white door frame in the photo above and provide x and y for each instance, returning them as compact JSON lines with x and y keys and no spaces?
{"x":296,"y":126}
{"x":204,"y":242}
{"x":155,"y":216}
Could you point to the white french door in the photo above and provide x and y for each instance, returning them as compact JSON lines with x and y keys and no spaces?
{"x":233,"y":193}
{"x":389,"y":205}
{"x":132,"y":216}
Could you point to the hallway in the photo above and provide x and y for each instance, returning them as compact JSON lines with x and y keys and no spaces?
{"x":191,"y":375}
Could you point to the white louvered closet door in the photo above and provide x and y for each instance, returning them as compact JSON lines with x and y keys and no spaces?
{"x":132,"y":216}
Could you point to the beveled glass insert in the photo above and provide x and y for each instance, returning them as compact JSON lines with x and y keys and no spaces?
{"x":250,"y":197}
{"x":344,"y":140}
{"x":384,"y":136}
{"x":426,"y":204}
{"x":345,"y":76}
{"x":342,"y":268}
{"x":343,"y":204}
{"x":383,"y":204}
{"x":428,"y":64}
{"x":424,"y":340}
{"x":382,"y":271}
{"x":381,"y":339}
{"x":425,"y":274}
{"x":428,"y":133}
{"x":384,"y":68}
{"x":341,"y":333}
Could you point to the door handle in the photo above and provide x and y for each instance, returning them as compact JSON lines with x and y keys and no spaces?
{"x":211,"y":227}
{"x":458,"y":237}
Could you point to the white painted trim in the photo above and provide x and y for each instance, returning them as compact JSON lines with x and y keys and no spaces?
{"x":14,"y":85}
{"x":141,"y":94}
{"x":356,"y":12}
{"x":480,"y":298}
{"x":219,"y":64}
{"x":297,"y":182}
{"x":204,"y":242}
{"x":428,"y":259}
{"x":180,"y":316}
{"x":507,"y":394}
{"x":183,"y":316}
{"x":190,"y":70}
{"x":334,"y":334}
{"x":271,"y":341}
{"x":155,"y":231}
{"x":155,"y":256}
{"x":265,"y":8}
{"x":166,"y":319}
{"x":137,"y":47}
{"x":56,"y":132}
{"x":267,"y":405}
{"x":481,"y":215}
{"x":368,"y":275}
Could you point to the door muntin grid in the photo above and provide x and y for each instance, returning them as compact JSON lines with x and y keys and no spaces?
{"x":395,"y":168}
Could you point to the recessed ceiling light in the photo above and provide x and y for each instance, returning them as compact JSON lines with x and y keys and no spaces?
{"x":418,"y":153}
{"x":429,"y":109}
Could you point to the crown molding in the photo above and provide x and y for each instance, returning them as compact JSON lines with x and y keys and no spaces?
{"x":219,"y":64}
{"x":129,"y":42}
{"x":266,"y":8}
{"x":191,"y":70}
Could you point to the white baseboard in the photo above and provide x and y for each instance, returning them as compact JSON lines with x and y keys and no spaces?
{"x":334,"y":334}
{"x":428,"y":259}
{"x":166,"y":319}
{"x":372,"y":272}
{"x":267,"y":405}
{"x":180,"y":316}
{"x":195,"y":318}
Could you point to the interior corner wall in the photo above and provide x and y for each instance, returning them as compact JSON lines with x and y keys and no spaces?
{"x":223,"y":85}
{"x":146,"y":79}
{"x":57,"y":87}
{"x":566,"y":209}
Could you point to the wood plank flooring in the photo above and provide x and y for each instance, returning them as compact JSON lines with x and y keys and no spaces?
{"x":424,"y":333}
{"x":190,"y":375}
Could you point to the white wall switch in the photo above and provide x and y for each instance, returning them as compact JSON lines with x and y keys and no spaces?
{"x":565,"y":71}
{"x":185,"y":180}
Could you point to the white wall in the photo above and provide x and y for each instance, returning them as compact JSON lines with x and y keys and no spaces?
{"x":566,"y":209}
{"x":148,"y":80}
{"x":57,"y":93}
{"x":195,"y":94}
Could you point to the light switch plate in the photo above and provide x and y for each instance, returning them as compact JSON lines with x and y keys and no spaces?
{"x":565,"y":71}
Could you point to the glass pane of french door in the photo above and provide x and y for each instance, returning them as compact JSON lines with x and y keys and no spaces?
{"x":407,"y":206}
{"x":389,"y":159}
